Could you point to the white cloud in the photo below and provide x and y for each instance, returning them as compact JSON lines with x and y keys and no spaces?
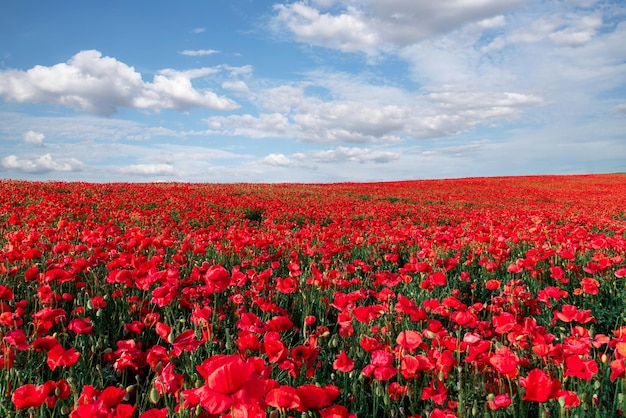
{"x":277,"y":160}
{"x":33,"y":138}
{"x":357,"y":112}
{"x":199,"y":30}
{"x":266,"y":125}
{"x":198,"y":52}
{"x":235,"y":85}
{"x":358,"y":155}
{"x":332,"y":156}
{"x":93,"y":83}
{"x":366,"y":26}
{"x":347,"y":32}
{"x":38,"y":165}
{"x":147,"y":170}
{"x":579,"y":33}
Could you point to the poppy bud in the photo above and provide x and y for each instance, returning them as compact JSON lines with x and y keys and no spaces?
{"x":65,"y":410}
{"x":89,"y":304}
{"x":154,"y":395}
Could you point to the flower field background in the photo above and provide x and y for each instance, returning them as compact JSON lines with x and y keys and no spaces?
{"x":496,"y":297}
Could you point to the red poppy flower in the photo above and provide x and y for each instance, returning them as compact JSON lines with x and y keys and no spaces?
{"x":216,"y":279}
{"x":275,"y":350}
{"x":336,"y":411}
{"x":316,"y":397}
{"x":505,"y":362}
{"x":498,"y":401}
{"x":6,"y":293}
{"x":58,"y":356}
{"x":81,"y":326}
{"x":381,"y":366}
{"x":154,"y":413}
{"x":283,"y":397}
{"x":571,"y":313}
{"x":28,"y":396}
{"x":583,"y":369}
{"x":17,"y":338}
{"x":185,"y":341}
{"x":167,"y":381}
{"x":397,"y":391}
{"x":343,"y":363}
{"x":539,"y":386}
{"x":436,"y":391}
{"x":409,"y":340}
{"x":492,"y":284}
{"x":570,"y":398}
{"x":590,"y":286}
{"x":228,"y":381}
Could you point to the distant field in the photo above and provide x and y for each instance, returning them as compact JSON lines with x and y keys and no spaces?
{"x":488,"y":297}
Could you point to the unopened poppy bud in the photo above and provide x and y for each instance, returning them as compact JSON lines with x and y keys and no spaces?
{"x":131,"y":389}
{"x":604,"y":358}
{"x":170,"y":338}
{"x":154,"y":395}
{"x":89,"y":304}
{"x":333,"y":342}
{"x":65,"y":410}
{"x":274,"y":414}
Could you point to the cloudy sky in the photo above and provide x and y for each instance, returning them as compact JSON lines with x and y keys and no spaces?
{"x":310,"y":91}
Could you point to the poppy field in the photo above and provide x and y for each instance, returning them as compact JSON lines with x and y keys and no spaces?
{"x":488,"y":297}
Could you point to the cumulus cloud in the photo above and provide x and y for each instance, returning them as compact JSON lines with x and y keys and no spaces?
{"x":365,"y":26}
{"x":361,"y":113}
{"x":33,"y":138}
{"x":93,"y":83}
{"x":277,"y":160}
{"x":41,"y":164}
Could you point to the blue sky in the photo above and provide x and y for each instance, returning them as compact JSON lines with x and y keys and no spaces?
{"x":310,"y":91}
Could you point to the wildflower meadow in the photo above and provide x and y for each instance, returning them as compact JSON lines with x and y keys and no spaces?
{"x":487,"y":297}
